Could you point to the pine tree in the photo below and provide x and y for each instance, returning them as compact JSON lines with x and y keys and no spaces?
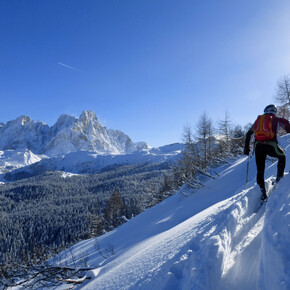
{"x":165,"y":191}
{"x":115,"y":209}
{"x":189,"y":154}
{"x":225,"y":126}
{"x":282,"y":96}
{"x":96,"y":223}
{"x":237,"y":140}
{"x":205,"y":131}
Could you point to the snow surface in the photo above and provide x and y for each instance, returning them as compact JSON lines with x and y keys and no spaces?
{"x":219,"y":237}
{"x":11,"y":159}
{"x":83,"y":162}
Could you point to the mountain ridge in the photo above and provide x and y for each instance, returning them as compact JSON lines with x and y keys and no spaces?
{"x":86,"y":162}
{"x":68,"y":134}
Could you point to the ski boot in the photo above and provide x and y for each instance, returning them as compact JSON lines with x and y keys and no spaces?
{"x":264,"y":195}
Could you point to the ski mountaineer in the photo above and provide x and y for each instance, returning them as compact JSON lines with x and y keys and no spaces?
{"x":265,"y":128}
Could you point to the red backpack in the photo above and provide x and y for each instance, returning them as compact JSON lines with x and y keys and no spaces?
{"x":263,"y":128}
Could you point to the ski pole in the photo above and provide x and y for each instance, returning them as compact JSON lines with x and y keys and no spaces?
{"x":247,"y":175}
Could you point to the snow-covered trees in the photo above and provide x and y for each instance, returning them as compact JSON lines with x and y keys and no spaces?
{"x":189,"y":155}
{"x":96,"y":223}
{"x":115,"y":209}
{"x":224,"y":128}
{"x":237,"y":140}
{"x":52,"y":212}
{"x":282,"y":96}
{"x":204,"y":136}
{"x":205,"y":149}
{"x":184,"y":169}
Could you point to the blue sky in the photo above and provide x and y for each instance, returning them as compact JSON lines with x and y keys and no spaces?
{"x":146,"y":67}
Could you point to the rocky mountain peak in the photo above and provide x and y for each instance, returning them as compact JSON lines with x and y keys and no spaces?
{"x":20,"y":121}
{"x":64,"y":121}
{"x":24,"y":119}
{"x":88,"y":116}
{"x":88,"y":119}
{"x":68,"y":134}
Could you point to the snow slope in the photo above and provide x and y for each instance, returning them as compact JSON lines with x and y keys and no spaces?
{"x":11,"y":159}
{"x":91,"y":162}
{"x":215,"y":238}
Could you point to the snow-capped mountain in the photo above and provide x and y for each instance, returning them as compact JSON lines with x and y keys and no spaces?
{"x":24,"y":133}
{"x":69,"y":134}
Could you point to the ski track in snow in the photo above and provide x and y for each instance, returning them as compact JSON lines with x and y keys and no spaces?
{"x":216,"y":238}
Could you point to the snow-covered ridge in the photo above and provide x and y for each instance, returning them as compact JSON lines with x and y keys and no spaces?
{"x":215,"y":238}
{"x":68,"y":134}
{"x":11,"y":159}
{"x":84,"y":162}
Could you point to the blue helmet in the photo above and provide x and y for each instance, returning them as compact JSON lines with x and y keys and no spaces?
{"x":270,"y":109}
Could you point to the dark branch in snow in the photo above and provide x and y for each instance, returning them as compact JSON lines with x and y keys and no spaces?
{"x":49,"y":276}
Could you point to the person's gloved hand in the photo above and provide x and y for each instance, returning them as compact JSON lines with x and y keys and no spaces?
{"x":246,"y":150}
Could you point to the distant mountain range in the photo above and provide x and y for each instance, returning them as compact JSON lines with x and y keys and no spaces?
{"x":77,"y":145}
{"x":68,"y":134}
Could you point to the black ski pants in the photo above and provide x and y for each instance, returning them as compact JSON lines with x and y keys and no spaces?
{"x":272,"y":149}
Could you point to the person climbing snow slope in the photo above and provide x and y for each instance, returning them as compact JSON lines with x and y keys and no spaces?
{"x":265,"y":130}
